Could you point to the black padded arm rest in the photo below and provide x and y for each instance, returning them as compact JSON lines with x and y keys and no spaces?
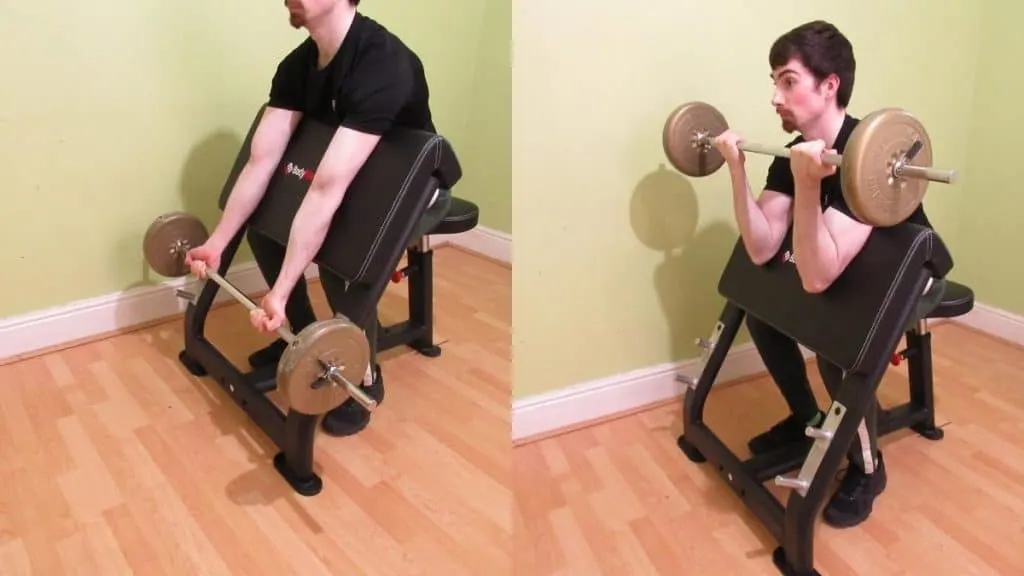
{"x":381,"y":208}
{"x":861,"y":317}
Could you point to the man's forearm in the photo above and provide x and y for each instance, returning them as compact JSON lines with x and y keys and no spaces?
{"x":249,"y":189}
{"x":817,"y":257}
{"x":309,"y":228}
{"x":754,"y":227}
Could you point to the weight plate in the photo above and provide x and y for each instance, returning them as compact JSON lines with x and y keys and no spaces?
{"x":874,"y":196}
{"x":338,"y":342}
{"x":677,"y":138}
{"x":169,"y":238}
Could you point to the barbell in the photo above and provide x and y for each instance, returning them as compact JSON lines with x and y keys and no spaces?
{"x":319,"y":366}
{"x":884,"y":170}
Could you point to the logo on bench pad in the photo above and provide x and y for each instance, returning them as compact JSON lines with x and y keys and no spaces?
{"x":303,"y":174}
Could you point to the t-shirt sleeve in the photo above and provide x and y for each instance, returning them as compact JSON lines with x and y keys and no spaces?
{"x":286,"y":88}
{"x":839,"y":203}
{"x":378,"y":89}
{"x":780,"y":177}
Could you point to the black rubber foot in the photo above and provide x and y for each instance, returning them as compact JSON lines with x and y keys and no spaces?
{"x":692,"y":453}
{"x":194,"y":368}
{"x":779,"y":559}
{"x":932,"y":433}
{"x":428,"y":351}
{"x":308,"y":486}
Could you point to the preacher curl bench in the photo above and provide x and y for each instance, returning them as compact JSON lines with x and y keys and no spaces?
{"x":857,"y":324}
{"x":376,"y":224}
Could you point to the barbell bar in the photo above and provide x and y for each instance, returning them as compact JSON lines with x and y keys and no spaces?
{"x":320,"y":363}
{"x":884,"y":170}
{"x":904,"y":169}
{"x":331,"y":372}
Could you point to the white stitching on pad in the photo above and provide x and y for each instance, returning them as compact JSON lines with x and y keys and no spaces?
{"x":927,"y":236}
{"x":401,"y":194}
{"x":888,"y":299}
{"x":391,"y":212}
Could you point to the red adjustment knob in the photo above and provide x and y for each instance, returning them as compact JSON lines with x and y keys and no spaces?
{"x":896,"y":359}
{"x":397,"y":276}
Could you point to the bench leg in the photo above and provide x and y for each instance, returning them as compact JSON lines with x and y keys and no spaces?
{"x":922,"y":393}
{"x":418,"y":331}
{"x":294,"y":434}
{"x":421,"y":302}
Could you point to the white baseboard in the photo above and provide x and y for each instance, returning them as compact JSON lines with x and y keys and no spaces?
{"x":481,"y":240}
{"x":543,"y":413}
{"x":590,"y":401}
{"x":54,"y":327}
{"x":83,"y":319}
{"x":999,"y":323}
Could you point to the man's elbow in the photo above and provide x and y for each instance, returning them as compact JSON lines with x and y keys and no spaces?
{"x":264,"y":158}
{"x":329,"y":189}
{"x":760,"y":252}
{"x":815,"y":286}
{"x":759,"y":258}
{"x":816,"y":283}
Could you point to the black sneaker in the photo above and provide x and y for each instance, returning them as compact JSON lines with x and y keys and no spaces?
{"x":350,"y":418}
{"x":268,"y":356}
{"x":786,"y":432}
{"x":853,"y":501}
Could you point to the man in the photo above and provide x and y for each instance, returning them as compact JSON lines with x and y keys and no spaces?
{"x":352,"y":73}
{"x":813,"y":70}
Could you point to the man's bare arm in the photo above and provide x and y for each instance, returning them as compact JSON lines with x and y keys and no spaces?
{"x":825,"y":243}
{"x":345,"y":156}
{"x":268,"y":145}
{"x":763,"y":222}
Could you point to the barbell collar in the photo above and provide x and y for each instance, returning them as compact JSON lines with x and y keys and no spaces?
{"x":356,"y":392}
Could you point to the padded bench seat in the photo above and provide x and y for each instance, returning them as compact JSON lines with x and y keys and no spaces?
{"x":462,"y":217}
{"x":956,"y":301}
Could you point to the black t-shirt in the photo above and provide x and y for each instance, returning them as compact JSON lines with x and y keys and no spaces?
{"x":373,"y":83}
{"x":780,"y":178}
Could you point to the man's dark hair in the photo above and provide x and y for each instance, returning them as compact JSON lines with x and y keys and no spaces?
{"x":354,"y":2}
{"x":823,"y":50}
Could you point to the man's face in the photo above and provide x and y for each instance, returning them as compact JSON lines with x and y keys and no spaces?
{"x":799,"y":99}
{"x":302,"y":12}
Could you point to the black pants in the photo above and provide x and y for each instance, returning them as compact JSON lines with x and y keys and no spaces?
{"x":269,"y":255}
{"x":781,"y":356}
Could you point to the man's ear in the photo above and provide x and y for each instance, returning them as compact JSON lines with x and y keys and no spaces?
{"x":831,"y":85}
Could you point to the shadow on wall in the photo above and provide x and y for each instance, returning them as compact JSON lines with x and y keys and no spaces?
{"x":202,"y":178}
{"x":664,"y":214}
{"x":205,"y":172}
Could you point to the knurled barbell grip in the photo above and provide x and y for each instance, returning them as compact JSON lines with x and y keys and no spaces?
{"x":355,"y":391}
{"x":907,"y":170}
{"x":249,"y":304}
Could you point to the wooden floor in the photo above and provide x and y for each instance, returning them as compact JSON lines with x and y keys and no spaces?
{"x":620,"y":499}
{"x":116,"y":461}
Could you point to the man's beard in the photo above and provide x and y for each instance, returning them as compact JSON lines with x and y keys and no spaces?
{"x":296,"y":20}
{"x":788,"y":125}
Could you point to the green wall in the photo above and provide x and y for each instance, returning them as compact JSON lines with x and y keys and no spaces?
{"x":111,"y":115}
{"x":617,"y":255}
{"x":488,"y":146}
{"x":990,"y":215}
{"x":108,"y":118}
